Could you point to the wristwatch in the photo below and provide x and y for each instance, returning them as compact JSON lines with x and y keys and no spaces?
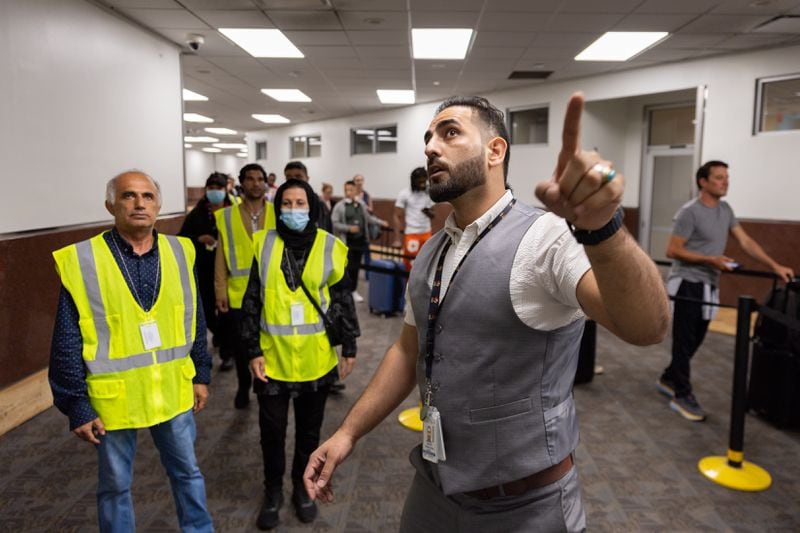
{"x":592,"y":237}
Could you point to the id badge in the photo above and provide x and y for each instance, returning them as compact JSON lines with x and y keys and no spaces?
{"x":432,"y":438}
{"x":298,"y":314}
{"x":151,"y":338}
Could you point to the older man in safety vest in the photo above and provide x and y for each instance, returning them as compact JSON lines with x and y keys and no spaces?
{"x":126,"y":354}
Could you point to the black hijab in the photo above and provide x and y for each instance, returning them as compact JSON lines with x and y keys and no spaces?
{"x":303,"y":239}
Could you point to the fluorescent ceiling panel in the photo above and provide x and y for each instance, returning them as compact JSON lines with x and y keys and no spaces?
{"x":286,"y":95}
{"x":272,"y":119}
{"x":387,"y":96}
{"x":212,"y":150}
{"x":444,"y":43}
{"x":187,"y":145}
{"x":238,"y":146}
{"x":221,"y":131}
{"x":620,"y":45}
{"x":200,"y":139}
{"x":194,"y":117}
{"x":262,"y":43}
{"x":191,"y":96}
{"x":242,"y":155}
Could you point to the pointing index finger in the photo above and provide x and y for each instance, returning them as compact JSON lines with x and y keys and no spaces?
{"x":570,"y":137}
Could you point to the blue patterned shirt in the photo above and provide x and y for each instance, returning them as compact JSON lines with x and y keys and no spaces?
{"x":67,"y":369}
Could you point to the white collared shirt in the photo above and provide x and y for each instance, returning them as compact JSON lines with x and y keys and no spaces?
{"x":548,"y":264}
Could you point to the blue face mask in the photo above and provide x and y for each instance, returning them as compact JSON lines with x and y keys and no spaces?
{"x":295,"y":219}
{"x":215,"y":197}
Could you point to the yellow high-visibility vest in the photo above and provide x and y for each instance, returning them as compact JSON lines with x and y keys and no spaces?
{"x":128,"y":385}
{"x":237,"y":246}
{"x":301,"y":351}
{"x":235,"y":199}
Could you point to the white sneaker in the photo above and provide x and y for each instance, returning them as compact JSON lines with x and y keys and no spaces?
{"x":357,"y":298}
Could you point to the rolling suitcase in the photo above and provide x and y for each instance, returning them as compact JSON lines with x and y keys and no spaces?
{"x":386,"y":290}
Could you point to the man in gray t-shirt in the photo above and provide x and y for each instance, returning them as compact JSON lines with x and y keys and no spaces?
{"x":697,"y":245}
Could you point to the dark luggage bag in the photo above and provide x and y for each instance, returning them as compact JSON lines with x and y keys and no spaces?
{"x":586,"y":356}
{"x":386,"y":290}
{"x":774,"y":390}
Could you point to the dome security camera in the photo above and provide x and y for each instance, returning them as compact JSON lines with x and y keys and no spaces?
{"x":195,"y":41}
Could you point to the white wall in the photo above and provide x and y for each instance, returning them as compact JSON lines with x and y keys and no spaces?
{"x":200,"y":165}
{"x":763,"y":168}
{"x":83,"y":96}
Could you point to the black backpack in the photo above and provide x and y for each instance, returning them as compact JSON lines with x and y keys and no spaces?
{"x":778,"y":323}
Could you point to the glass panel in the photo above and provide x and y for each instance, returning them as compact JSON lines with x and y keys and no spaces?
{"x":671,"y":126}
{"x":672,"y":187}
{"x":387,"y":139}
{"x":780,"y":105}
{"x":315,"y":146}
{"x":298,"y":145}
{"x":529,"y":126}
{"x":361,"y":140}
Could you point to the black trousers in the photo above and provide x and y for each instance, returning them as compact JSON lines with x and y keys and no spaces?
{"x":688,"y":331}
{"x":273,"y":414}
{"x":354,"y":255}
{"x":230,"y":346}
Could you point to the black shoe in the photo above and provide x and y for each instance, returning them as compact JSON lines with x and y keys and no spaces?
{"x":337,"y":387}
{"x":227,"y":364}
{"x":305,"y":508}
{"x":268,"y":515}
{"x":242,"y":398}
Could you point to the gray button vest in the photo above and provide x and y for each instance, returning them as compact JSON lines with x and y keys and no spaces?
{"x":504,"y":390}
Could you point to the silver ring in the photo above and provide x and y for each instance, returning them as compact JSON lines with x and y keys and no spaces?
{"x":606,"y":173}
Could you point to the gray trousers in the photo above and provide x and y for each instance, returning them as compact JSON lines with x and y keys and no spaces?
{"x":553,"y":508}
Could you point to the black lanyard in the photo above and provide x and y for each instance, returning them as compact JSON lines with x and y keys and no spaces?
{"x":436,"y":303}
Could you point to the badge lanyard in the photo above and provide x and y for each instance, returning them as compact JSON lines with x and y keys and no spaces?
{"x":436,"y":304}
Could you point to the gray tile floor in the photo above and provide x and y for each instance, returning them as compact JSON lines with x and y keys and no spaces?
{"x":637,"y":459}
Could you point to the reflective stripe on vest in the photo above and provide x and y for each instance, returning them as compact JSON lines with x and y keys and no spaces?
{"x":101,"y":363}
{"x":233,"y":261}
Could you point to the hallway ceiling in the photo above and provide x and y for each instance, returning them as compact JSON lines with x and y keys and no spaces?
{"x":353,"y":47}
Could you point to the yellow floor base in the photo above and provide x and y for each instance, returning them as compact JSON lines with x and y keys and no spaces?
{"x":409,"y":418}
{"x":749,"y":477}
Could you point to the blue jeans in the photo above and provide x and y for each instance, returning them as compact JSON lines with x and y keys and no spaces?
{"x":174,"y":440}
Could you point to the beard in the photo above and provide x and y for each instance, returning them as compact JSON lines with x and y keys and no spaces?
{"x":464,"y":177}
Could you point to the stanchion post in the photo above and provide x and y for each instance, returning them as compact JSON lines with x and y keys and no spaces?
{"x":741,"y":359}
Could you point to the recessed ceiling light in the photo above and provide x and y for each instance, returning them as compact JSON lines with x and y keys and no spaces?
{"x":200,"y":139}
{"x":262,"y":43}
{"x":286,"y":95}
{"x":387,"y":96}
{"x":191,"y":96}
{"x":230,"y":145}
{"x":187,"y":145}
{"x":221,"y":131}
{"x":212,"y":150}
{"x":194,"y":117}
{"x":444,"y":43}
{"x":620,"y":45}
{"x":272,"y":119}
{"x":241,"y":154}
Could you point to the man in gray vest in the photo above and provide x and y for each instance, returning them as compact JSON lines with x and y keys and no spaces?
{"x":696,"y":246}
{"x":497,"y":301}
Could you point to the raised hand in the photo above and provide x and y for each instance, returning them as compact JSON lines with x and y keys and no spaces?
{"x":583,"y":189}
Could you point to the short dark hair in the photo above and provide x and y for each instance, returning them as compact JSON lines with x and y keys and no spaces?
{"x":350,"y":182}
{"x":249,"y":167}
{"x":217,"y":178}
{"x":492,"y":118}
{"x":296,"y":165}
{"x":705,"y":171}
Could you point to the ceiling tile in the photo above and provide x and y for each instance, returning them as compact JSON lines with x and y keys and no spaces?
{"x":650,"y":22}
{"x":513,"y":22}
{"x":749,"y":7}
{"x":595,"y":6}
{"x":503,"y":38}
{"x":316,"y":52}
{"x":755,"y":40}
{"x":500,"y":52}
{"x":723,"y":23}
{"x":327,"y":63}
{"x":374,"y":20}
{"x":578,"y":22}
{"x":383,"y":51}
{"x":539,"y":6}
{"x":369,"y":5}
{"x":444,"y":19}
{"x":446,"y":5}
{"x":692,"y":40}
{"x":166,"y":18}
{"x":249,"y":18}
{"x":217,"y":4}
{"x":305,"y":20}
{"x":387,"y":62}
{"x":676,"y":6}
{"x":144,"y":4}
{"x":385,"y":38}
{"x":541,"y":53}
{"x":317,"y":38}
{"x":575,"y":41}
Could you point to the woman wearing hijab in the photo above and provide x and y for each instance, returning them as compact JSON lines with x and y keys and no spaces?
{"x":291,"y":356}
